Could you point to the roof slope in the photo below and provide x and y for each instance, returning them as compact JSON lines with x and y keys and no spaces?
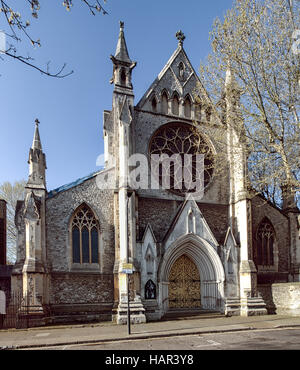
{"x":177,"y":75}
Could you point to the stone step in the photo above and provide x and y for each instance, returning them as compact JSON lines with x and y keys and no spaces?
{"x":188,"y":315}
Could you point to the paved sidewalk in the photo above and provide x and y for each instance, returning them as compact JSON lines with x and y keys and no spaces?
{"x":108,"y":331}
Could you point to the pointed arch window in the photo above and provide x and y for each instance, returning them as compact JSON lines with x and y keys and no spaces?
{"x":164,"y":103}
{"x":175,"y":105}
{"x":154,"y":104}
{"x":181,"y":69}
{"x":187,"y":107}
{"x":264,"y":253}
{"x":123,"y":76}
{"x":150,"y":290}
{"x":85,"y":236}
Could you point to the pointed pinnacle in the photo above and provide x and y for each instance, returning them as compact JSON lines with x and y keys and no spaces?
{"x":121,"y":53}
{"x":36,"y":144}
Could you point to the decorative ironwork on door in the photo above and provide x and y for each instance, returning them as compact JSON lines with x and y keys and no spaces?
{"x":184,"y":284}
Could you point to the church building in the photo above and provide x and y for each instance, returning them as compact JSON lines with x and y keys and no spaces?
{"x":84,"y":246}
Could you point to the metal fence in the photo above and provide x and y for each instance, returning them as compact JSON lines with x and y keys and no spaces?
{"x":16,"y":315}
{"x":211,"y":295}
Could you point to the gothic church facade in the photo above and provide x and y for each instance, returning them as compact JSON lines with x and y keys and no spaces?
{"x":208,"y":254}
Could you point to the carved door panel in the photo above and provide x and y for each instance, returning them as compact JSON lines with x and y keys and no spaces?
{"x":184,"y":284}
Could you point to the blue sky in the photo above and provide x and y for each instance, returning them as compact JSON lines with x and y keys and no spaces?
{"x":70,"y":109}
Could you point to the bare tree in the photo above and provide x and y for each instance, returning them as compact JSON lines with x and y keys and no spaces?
{"x":12,"y":193}
{"x":256,"y":45}
{"x":18,"y":29}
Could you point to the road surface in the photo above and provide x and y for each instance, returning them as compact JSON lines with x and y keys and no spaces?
{"x":266,"y":339}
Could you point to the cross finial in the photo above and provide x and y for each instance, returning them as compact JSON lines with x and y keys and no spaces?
{"x":121,"y":25}
{"x":37,"y":122}
{"x":180,"y":37}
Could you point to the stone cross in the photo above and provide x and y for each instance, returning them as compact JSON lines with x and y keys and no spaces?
{"x":180,"y":37}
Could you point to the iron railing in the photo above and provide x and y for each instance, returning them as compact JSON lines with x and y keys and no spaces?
{"x":16,"y":315}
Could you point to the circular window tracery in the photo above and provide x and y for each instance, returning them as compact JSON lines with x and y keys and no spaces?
{"x":181,"y":138}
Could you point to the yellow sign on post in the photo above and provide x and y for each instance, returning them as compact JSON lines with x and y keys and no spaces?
{"x":127,"y":268}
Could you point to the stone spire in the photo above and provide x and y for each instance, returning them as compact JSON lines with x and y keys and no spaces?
{"x":37,"y":162}
{"x":36,"y":144}
{"x":121,"y":53}
{"x":123,"y":65}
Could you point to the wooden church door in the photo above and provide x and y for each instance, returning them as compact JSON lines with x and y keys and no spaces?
{"x":184,"y":284}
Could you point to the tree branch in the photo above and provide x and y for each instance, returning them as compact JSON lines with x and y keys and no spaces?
{"x":25,"y":60}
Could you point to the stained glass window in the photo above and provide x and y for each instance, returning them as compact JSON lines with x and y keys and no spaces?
{"x":181,"y":139}
{"x":94,"y":235}
{"x":264,"y":253}
{"x":85,"y":236}
{"x":76,"y":244}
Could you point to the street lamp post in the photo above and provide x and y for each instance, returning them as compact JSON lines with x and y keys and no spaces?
{"x":128,"y":307}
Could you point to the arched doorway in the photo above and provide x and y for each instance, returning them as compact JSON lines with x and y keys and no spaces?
{"x":202,"y":272}
{"x":184,"y":284}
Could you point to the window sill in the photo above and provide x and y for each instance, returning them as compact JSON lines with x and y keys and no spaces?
{"x":85,"y":267}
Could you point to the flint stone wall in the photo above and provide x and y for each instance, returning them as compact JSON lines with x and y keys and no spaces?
{"x":159,"y":213}
{"x":85,"y":283}
{"x":74,"y":288}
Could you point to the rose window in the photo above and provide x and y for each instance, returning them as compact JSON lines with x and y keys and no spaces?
{"x":180,"y":139}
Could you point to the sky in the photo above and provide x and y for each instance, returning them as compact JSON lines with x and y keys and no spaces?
{"x":70,"y":110}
